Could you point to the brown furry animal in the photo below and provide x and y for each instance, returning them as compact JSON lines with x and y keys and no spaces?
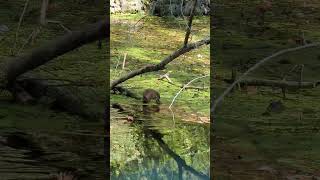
{"x":150,"y":94}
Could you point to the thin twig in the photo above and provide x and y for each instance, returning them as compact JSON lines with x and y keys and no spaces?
{"x":28,"y":40}
{"x":118,"y":60}
{"x":61,"y":25}
{"x":124,"y":60}
{"x":286,"y":74}
{"x":301,"y":75}
{"x":25,"y":43}
{"x":186,"y":85}
{"x":179,"y":93}
{"x":19,"y":24}
{"x":139,"y":21}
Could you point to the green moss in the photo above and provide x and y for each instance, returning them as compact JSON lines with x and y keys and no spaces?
{"x":286,"y":140}
{"x":155,"y":39}
{"x":86,"y":64}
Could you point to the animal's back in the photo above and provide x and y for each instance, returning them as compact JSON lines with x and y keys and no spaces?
{"x":150,"y":94}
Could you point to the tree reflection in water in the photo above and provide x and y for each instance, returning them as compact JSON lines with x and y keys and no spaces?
{"x":150,"y":149}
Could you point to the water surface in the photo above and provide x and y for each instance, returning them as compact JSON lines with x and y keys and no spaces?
{"x":156,"y":147}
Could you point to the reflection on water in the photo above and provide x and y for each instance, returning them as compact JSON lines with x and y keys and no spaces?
{"x":43,"y":153}
{"x":157,"y":148}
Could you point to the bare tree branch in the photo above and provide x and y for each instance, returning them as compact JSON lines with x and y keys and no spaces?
{"x":14,"y":67}
{"x":257,"y":65}
{"x":124,"y":60}
{"x":180,"y":92}
{"x":188,"y":31}
{"x":184,"y":87}
{"x":162,"y":64}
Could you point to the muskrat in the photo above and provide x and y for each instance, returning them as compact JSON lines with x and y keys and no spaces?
{"x":151,"y":94}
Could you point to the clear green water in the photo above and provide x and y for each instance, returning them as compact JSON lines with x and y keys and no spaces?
{"x":39,"y":144}
{"x":154,"y":147}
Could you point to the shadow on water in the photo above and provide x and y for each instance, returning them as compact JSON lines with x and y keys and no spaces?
{"x":39,"y":147}
{"x":39,"y":155}
{"x":153,"y":147}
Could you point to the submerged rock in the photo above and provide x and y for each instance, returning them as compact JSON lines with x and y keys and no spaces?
{"x":3,"y":28}
{"x":274,"y":107}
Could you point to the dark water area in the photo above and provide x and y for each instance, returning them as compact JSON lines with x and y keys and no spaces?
{"x":43,"y":148}
{"x":158,"y":147}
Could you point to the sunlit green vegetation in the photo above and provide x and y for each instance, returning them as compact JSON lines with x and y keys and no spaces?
{"x":153,"y":39}
{"x":287,"y":142}
{"x":148,"y":40}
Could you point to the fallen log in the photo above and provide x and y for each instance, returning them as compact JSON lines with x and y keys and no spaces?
{"x":28,"y":90}
{"x":126,"y":92}
{"x":60,"y":98}
{"x":11,"y":68}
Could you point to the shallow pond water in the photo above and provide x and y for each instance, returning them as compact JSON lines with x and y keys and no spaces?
{"x":156,"y":147}
{"x":42,"y":145}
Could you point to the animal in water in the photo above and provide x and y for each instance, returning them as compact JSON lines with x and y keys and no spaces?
{"x":151,"y":94}
{"x":274,"y":106}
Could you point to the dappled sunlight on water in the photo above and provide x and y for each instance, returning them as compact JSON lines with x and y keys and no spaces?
{"x":155,"y":146}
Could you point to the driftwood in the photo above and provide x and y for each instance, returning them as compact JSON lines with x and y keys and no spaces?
{"x":275,"y":83}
